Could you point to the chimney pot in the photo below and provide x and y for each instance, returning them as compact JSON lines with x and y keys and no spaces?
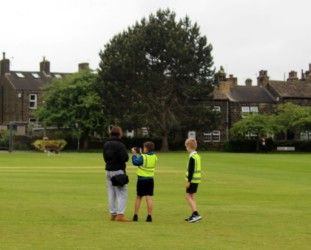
{"x":292,"y":76}
{"x":4,"y":65}
{"x":83,"y":66}
{"x":45,"y":66}
{"x":248,"y":82}
{"x":263,"y":78}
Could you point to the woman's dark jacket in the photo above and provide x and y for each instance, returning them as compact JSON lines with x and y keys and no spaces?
{"x":115,"y":154}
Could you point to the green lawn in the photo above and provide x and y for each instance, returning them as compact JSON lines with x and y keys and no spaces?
{"x":248,"y":201}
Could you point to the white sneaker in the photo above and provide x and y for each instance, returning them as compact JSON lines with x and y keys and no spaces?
{"x":195,"y":218}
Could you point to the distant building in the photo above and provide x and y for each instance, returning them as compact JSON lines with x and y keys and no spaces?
{"x":21,"y":93}
{"x":234,"y":101}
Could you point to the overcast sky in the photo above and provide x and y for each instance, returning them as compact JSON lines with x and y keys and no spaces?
{"x":247,"y":35}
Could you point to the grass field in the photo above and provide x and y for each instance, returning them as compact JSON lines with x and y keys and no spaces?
{"x":248,"y":201}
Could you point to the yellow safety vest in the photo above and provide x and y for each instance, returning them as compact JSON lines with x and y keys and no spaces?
{"x":196,"y":178}
{"x":148,"y":167}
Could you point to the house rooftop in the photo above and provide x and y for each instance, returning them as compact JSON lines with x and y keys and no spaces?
{"x":30,"y":80}
{"x":292,"y":89}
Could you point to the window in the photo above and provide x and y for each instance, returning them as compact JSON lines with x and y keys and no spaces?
{"x":207,"y":137}
{"x":254,"y":109}
{"x":192,"y":134}
{"x":144,"y":131}
{"x":216,"y":109}
{"x":32,"y":120}
{"x":305,"y":136}
{"x":245,"y":109}
{"x":130,"y":133}
{"x":33,"y":101}
{"x":20,"y":75}
{"x":35,"y":75}
{"x":213,"y":136}
{"x":58,"y":76}
{"x":216,"y":136}
{"x":249,"y":110}
{"x":251,"y":135}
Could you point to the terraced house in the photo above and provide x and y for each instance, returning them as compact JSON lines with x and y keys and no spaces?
{"x":21,"y":93}
{"x":234,"y":101}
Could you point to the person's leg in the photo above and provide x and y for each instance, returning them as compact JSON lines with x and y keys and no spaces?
{"x":122,"y":194}
{"x":111,"y":198}
{"x":137,"y":204}
{"x":149,"y":204}
{"x":136,"y":207}
{"x":149,"y":208}
{"x":191,"y":201}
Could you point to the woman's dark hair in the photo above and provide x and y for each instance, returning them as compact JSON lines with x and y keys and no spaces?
{"x":116,"y":131}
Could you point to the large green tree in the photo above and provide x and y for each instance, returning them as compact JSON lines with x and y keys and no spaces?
{"x":73,"y":103}
{"x":158,"y":73}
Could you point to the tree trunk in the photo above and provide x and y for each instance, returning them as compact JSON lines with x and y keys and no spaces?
{"x":164,"y":147}
{"x":86,"y":144}
{"x":78,"y":144}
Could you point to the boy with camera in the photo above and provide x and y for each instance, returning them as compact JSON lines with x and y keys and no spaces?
{"x":146,"y":162}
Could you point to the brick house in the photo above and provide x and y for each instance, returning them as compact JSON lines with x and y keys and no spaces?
{"x":234,"y":101}
{"x":21,"y":93}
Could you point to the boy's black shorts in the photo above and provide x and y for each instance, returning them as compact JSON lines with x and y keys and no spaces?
{"x":193,"y":188}
{"x":145,"y":187}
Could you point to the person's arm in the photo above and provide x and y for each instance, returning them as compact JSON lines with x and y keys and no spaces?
{"x":137,"y":160}
{"x":190,"y":169}
{"x":124,"y":157}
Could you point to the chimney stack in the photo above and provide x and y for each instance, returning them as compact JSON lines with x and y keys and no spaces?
{"x":45,"y":66}
{"x":4,"y":65}
{"x":226,"y":85}
{"x":263,"y":78}
{"x":83,"y":67}
{"x":292,"y":76}
{"x":248,"y":82}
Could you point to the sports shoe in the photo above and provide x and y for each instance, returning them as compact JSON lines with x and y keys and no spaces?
{"x":135,"y":217}
{"x":149,"y":218}
{"x":195,"y":218}
{"x":189,"y":218}
{"x":113,"y":217}
{"x":121,"y":218}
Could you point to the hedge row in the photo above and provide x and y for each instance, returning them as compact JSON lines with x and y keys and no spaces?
{"x":253,"y":145}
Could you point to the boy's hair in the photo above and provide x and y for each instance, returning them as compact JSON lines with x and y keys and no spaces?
{"x":116,"y":131}
{"x":191,"y":143}
{"x":149,"y":145}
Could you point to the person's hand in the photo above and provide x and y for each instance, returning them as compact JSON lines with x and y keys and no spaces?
{"x":187,"y":184}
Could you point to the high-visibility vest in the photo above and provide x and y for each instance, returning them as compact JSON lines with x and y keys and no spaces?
{"x":148,"y":167}
{"x":196,"y":178}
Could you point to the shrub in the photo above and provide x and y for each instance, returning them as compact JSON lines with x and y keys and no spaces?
{"x":4,"y":138}
{"x":50,"y":145}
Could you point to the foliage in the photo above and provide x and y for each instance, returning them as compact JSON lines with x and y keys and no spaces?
{"x":4,"y":138}
{"x":73,"y":103}
{"x":292,"y":117}
{"x":157,"y":74}
{"x":288,"y":117}
{"x":261,"y":125}
{"x":50,"y":145}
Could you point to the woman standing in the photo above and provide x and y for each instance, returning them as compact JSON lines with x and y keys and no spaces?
{"x":115,"y":155}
